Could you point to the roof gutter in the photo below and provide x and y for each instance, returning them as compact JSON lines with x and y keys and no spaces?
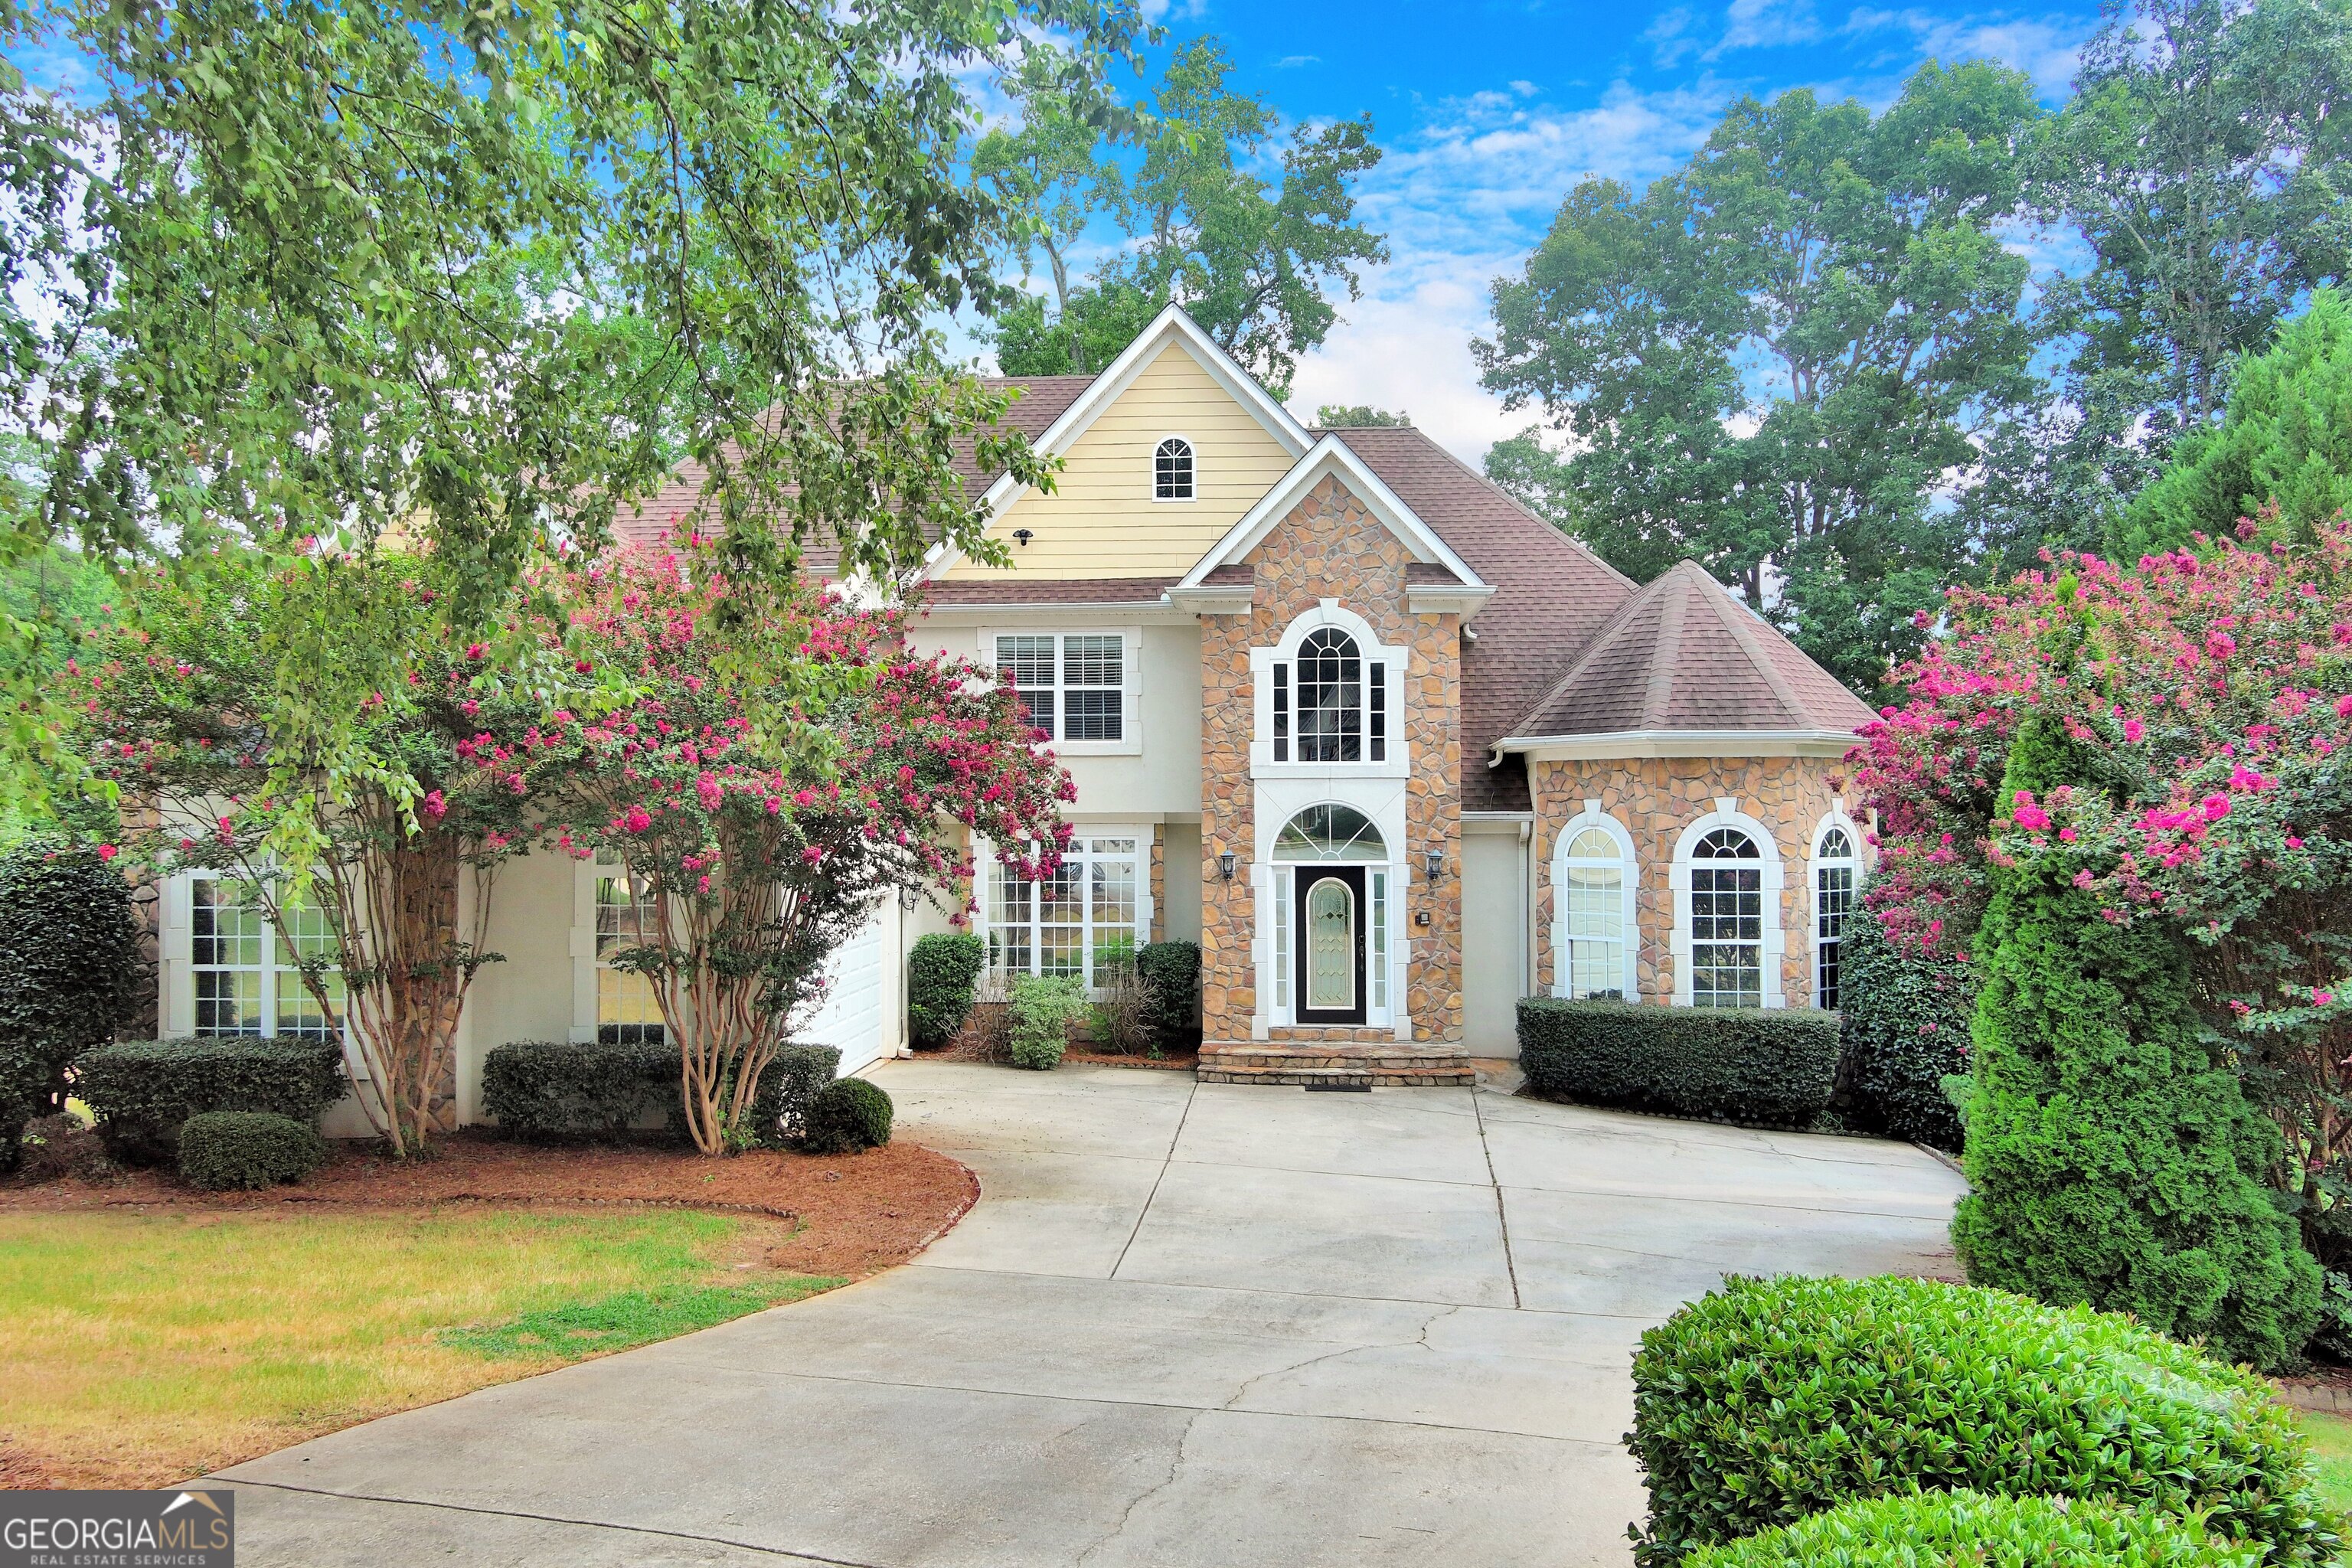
{"x":1636,"y":743}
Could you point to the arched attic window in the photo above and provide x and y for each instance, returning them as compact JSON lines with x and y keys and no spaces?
{"x":1171,"y":470}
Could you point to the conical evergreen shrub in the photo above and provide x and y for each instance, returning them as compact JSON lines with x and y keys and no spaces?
{"x":2114,"y":1156}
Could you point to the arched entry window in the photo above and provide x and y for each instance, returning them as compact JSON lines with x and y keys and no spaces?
{"x":1836,"y":875}
{"x":1727,"y":920}
{"x":1330,"y":935}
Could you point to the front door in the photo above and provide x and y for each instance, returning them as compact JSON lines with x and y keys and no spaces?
{"x":1329,"y":901}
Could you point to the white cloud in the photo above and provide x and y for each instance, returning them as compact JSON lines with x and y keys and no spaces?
{"x":2045,"y":47}
{"x":1765,"y":24}
{"x":1669,"y":37}
{"x":1292,"y":62}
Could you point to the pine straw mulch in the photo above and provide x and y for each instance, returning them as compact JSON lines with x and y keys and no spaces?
{"x":849,"y":1216}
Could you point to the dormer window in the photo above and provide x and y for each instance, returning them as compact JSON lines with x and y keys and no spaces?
{"x":1171,"y":470}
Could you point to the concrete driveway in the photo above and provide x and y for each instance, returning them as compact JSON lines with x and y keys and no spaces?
{"x":1187,"y":1324}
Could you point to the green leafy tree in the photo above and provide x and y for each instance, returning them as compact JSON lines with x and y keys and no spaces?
{"x":2282,"y":452}
{"x":2113,"y":1157}
{"x":1770,"y":361}
{"x":1358,"y":416}
{"x":2203,"y":158}
{"x":1254,"y":260}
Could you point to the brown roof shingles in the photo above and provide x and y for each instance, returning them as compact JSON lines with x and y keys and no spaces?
{"x":1552,"y":595}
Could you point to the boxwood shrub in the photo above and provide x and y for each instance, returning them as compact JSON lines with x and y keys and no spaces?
{"x":550,"y":1090}
{"x":942,"y":977}
{"x":221,"y":1149}
{"x":1171,"y":972}
{"x":1746,"y":1064}
{"x":1971,"y":1530}
{"x":1772,"y":1399}
{"x":140,"y":1091}
{"x":848,"y":1114}
{"x":787,"y":1089}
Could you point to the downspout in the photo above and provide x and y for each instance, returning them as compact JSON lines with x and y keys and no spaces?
{"x":1528,"y":906}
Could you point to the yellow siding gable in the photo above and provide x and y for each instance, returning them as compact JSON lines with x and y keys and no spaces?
{"x":1101,"y":522}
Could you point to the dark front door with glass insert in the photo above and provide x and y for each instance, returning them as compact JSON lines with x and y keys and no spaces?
{"x":1329,"y":901}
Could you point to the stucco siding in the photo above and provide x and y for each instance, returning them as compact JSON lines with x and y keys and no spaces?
{"x":1493,"y":944}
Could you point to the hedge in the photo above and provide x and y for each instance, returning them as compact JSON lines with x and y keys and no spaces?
{"x":220,"y":1150}
{"x":555,"y":1090}
{"x":1745,"y":1064}
{"x":1042,"y":1009}
{"x":942,"y":978}
{"x":1769,"y":1400}
{"x":847,"y":1115}
{"x":71,"y":974}
{"x":2113,"y":1157}
{"x":1972,"y":1530}
{"x":1171,"y":972}
{"x":140,"y":1091}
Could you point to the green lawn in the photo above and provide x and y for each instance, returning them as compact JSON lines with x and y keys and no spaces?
{"x":2331,"y":1455}
{"x":138,"y":1349}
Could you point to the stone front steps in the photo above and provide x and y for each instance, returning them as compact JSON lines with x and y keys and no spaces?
{"x":1387,"y":1065}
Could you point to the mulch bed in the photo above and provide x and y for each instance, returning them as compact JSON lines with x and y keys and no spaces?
{"x":850,"y":1214}
{"x":969,"y":1048}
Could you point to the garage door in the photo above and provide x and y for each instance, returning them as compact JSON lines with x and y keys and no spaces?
{"x":851,"y":1018}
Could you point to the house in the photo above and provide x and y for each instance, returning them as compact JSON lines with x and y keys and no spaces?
{"x":1395,"y":751}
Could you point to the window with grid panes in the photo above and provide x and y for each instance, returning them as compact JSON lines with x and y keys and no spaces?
{"x":1171,"y":469}
{"x":1328,"y":705}
{"x":247,"y":977}
{"x":1834,"y":874}
{"x":626,"y":1010}
{"x":1593,"y":906}
{"x":1081,"y":918}
{"x":1727,"y":921}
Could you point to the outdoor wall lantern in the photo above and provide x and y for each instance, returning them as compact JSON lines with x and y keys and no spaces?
{"x":1433,"y":862}
{"x":1021,"y":536}
{"x":1226,"y":864}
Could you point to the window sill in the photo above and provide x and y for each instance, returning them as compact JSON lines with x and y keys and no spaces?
{"x":1096,"y":748}
{"x":1263,"y":767}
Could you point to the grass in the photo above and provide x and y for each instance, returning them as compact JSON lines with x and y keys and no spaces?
{"x":2331,"y":1455}
{"x":138,"y":1349}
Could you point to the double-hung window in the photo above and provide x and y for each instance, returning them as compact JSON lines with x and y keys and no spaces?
{"x":1084,"y":917}
{"x":1592,"y":919}
{"x":247,"y":975}
{"x":1074,"y":684}
{"x":1727,"y":921}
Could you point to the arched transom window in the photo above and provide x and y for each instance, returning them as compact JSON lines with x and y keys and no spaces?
{"x":1329,"y":706}
{"x":1727,"y":920}
{"x":1835,"y":871}
{"x":1329,"y":832}
{"x":1171,"y":470}
{"x":1594,"y":904}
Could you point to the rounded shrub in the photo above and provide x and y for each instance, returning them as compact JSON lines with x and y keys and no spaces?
{"x":141,"y":1091}
{"x":71,"y":974}
{"x":224,"y":1149}
{"x":847,"y":1115}
{"x":1971,"y":1530}
{"x":1171,"y":972}
{"x":1042,"y":1009}
{"x":942,"y":977}
{"x":1769,"y":1400}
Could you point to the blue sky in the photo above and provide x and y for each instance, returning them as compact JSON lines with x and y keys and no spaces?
{"x":1490,"y":113}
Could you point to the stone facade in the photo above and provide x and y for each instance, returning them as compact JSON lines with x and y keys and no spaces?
{"x":1654,"y":798}
{"x":1330,"y":547}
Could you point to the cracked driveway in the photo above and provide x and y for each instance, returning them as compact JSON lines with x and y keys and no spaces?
{"x":1188,"y":1324}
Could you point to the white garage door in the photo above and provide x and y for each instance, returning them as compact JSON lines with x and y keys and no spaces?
{"x":851,"y":1018}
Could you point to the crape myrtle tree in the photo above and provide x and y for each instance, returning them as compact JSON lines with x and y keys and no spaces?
{"x":312,"y":728}
{"x":759,"y":849}
{"x":2205,"y":697}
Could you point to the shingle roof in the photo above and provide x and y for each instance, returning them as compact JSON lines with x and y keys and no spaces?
{"x":1683,"y":654}
{"x":1043,"y":400}
{"x":1552,"y":594}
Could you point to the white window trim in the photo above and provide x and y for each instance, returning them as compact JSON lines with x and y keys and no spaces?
{"x":1393,"y":661}
{"x":1726,"y":814}
{"x":1273,"y":944}
{"x":1816,"y":863}
{"x":1151,"y":480}
{"x":583,"y":947}
{"x":1631,"y":938}
{"x":986,"y":868}
{"x":176,"y":955}
{"x":1130,"y":724}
